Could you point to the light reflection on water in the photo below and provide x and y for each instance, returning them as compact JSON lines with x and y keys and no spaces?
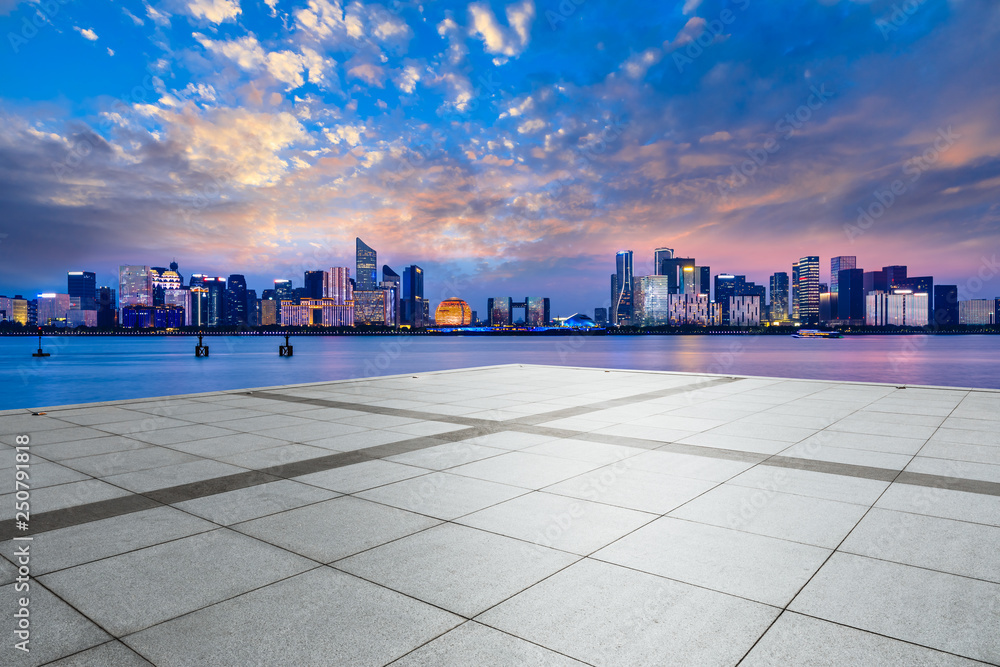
{"x":84,"y":369}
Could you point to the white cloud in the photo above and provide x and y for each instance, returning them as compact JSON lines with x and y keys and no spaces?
{"x":287,"y":67}
{"x":721,"y":135}
{"x":408,"y":78}
{"x":328,"y":21}
{"x":638,"y":64}
{"x":273,"y":6}
{"x":245,"y":51}
{"x":370,"y":73}
{"x":87,"y":33}
{"x":506,"y":41}
{"x":519,"y":109}
{"x":319,"y":67}
{"x":449,"y":30}
{"x":690,"y":7}
{"x":135,"y":19}
{"x":111,"y":51}
{"x":215,"y":11}
{"x":349,"y":134}
{"x":157,"y":16}
{"x":530,"y":126}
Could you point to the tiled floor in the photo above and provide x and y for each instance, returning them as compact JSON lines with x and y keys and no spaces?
{"x":512,"y":515}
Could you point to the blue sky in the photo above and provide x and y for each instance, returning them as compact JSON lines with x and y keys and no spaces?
{"x":509,"y":148}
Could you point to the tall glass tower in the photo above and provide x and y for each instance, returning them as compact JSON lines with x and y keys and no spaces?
{"x":82,"y":287}
{"x":367,"y":267}
{"x":838,"y":264}
{"x":779,"y":297}
{"x":805,"y":290}
{"x":622,"y":303}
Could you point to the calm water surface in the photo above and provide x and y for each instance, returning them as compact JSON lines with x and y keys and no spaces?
{"x":84,"y":369}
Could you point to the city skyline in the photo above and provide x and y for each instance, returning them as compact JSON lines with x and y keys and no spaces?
{"x":498,"y":145}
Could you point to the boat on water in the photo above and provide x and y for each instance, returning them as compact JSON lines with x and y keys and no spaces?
{"x":816,"y":333}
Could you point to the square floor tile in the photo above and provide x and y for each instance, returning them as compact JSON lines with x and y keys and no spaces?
{"x":457,"y":568}
{"x":685,"y":465}
{"x":626,"y":486}
{"x":335,"y":528}
{"x":933,"y":609}
{"x":581,"y":450}
{"x":172,"y":475}
{"x":140,"y":588}
{"x":442,"y":495}
{"x":822,"y":523}
{"x":815,"y":484}
{"x":111,"y":654}
{"x":116,"y":463}
{"x":447,"y":455}
{"x":255,"y":501}
{"x":759,"y":568}
{"x":559,"y":522}
{"x":945,"y":503}
{"x":530,"y":471}
{"x":326,"y":618}
{"x":361,"y":476}
{"x":607,"y":615}
{"x":474,"y":644}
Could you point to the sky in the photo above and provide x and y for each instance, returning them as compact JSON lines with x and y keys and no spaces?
{"x":508,"y":148}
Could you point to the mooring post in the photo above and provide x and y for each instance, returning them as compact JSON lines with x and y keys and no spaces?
{"x":286,"y":349}
{"x":40,"y":353}
{"x":200,"y":350}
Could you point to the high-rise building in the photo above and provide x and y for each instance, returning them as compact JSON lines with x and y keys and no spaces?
{"x":744,"y":311}
{"x":851,"y":295}
{"x":180,"y":298}
{"x":135,"y":286}
{"x":703,"y":280}
{"x":727,"y":286}
{"x":945,"y":305}
{"x":875,"y":281}
{"x":338,"y":285}
{"x":974,"y":312}
{"x":901,"y":309}
{"x":82,"y":289}
{"x":391,"y":281}
{"x":779,"y":297}
{"x":51,"y":309}
{"x":659,"y":255}
{"x":651,"y":301}
{"x":372,"y":307}
{"x":536,"y":311}
{"x":164,"y":279}
{"x":413,"y":297}
{"x":894,"y":274}
{"x":500,"y":311}
{"x":315,"y":282}
{"x":838,"y":264}
{"x":283,"y":291}
{"x":317,"y":312}
{"x":107,"y":308}
{"x":692,"y":309}
{"x":621,"y":301}
{"x":236,"y":301}
{"x":677,"y":269}
{"x":216,"y":301}
{"x":268,"y":310}
{"x":601,"y":316}
{"x":828,"y":305}
{"x":367,"y":267}
{"x":805,"y":290}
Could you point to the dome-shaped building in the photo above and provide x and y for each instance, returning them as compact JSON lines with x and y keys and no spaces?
{"x":579,"y":321}
{"x":453,"y":313}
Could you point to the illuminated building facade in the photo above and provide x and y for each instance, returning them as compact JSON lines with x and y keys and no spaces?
{"x":135,"y":286}
{"x":453,"y":313}
{"x":536,"y":311}
{"x":977,"y":312}
{"x":337,"y":285}
{"x":838,"y":264}
{"x":147,"y":317}
{"x":779,"y":297}
{"x":901,"y":309}
{"x":500,"y":310}
{"x":268,"y":312}
{"x":317,"y":313}
{"x":235,"y":310}
{"x":392,"y":283}
{"x":52,"y":309}
{"x":651,"y":301}
{"x":744,"y":311}
{"x":621,"y":289}
{"x":692,"y":309}
{"x":366,"y":260}
{"x":180,"y":298}
{"x":805,"y":290}
{"x":371,"y":307}
{"x":414,"y":306}
{"x":82,"y":289}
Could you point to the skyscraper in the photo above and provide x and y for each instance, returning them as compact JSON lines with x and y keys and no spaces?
{"x":107,"y":308}
{"x":838,"y":264}
{"x":236,"y":301}
{"x":283,"y":291}
{"x":135,"y":286}
{"x":805,"y":289}
{"x":338,"y":285}
{"x":216,"y":306}
{"x":500,"y":311}
{"x":726,"y":287}
{"x":82,"y":289}
{"x":945,"y":306}
{"x":850,"y":294}
{"x":392,"y":282}
{"x":367,"y":267}
{"x":779,"y":297}
{"x":314,"y":283}
{"x":413,"y":296}
{"x":621,"y":303}
{"x":659,"y":255}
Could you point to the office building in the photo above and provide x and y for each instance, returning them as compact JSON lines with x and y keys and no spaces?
{"x":677,"y":270}
{"x":692,"y":310}
{"x":107,"y":307}
{"x":283,"y":291}
{"x":827,"y":305}
{"x":778,"y":312}
{"x":903,"y":309}
{"x":215,"y":312}
{"x":268,"y":311}
{"x":621,"y":289}
{"x":392,"y":281}
{"x":601,"y":316}
{"x":253,"y":309}
{"x":453,"y":313}
{"x":135,"y":286}
{"x":744,"y":310}
{"x":805,"y":290}
{"x":338,"y":285}
{"x":163,"y":280}
{"x":945,"y":305}
{"x":875,"y":281}
{"x":977,"y":312}
{"x":180,"y":298}
{"x":412,"y":301}
{"x":894,"y":274}
{"x":324,"y":312}
{"x":235,"y":308}
{"x":838,"y":264}
{"x":314,"y":283}
{"x":651,"y":301}
{"x":371,"y":307}
{"x":148,"y":317}
{"x":366,"y":267}
{"x":536,"y":311}
{"x":659,"y":255}
{"x":851,"y":296}
{"x":51,"y":309}
{"x":727,"y":286}
{"x":499,"y":310}
{"x":82,"y":289}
